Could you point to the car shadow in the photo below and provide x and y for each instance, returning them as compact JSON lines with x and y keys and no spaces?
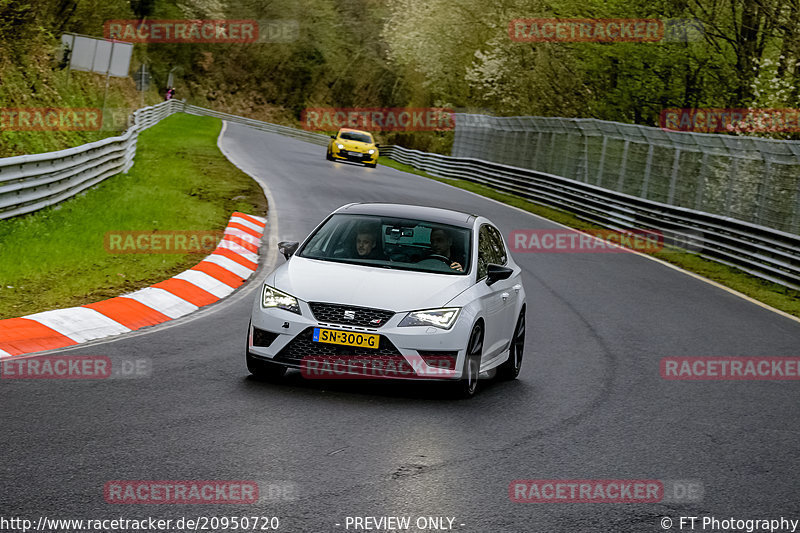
{"x":408,"y":389}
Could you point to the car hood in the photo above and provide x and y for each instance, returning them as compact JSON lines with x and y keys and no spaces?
{"x":396,"y":290}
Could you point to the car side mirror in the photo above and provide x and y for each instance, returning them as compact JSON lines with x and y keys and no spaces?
{"x":288,"y":248}
{"x":496,"y":273}
{"x":377,"y":145}
{"x":333,"y":136}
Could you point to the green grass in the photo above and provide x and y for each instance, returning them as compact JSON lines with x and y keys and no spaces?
{"x":56,"y":257}
{"x":772,"y":294}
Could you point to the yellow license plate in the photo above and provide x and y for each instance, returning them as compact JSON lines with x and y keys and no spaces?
{"x":346,"y":338}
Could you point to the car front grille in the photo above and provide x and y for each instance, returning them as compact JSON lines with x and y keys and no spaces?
{"x":354,"y":155}
{"x":363,"y":316}
{"x":303,"y":346}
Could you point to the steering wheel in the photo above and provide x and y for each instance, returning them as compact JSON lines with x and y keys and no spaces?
{"x":439,"y":257}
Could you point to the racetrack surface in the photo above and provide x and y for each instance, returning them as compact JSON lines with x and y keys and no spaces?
{"x":589,"y":402}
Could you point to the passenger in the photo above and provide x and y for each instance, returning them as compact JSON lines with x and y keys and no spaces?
{"x":366,"y":242}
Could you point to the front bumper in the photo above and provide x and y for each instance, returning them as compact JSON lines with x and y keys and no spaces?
{"x":358,"y":157}
{"x":417,"y":352}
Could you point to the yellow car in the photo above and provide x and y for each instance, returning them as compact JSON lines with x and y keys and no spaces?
{"x":353,"y":145}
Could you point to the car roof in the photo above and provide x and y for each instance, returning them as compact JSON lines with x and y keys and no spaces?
{"x":429,"y":214}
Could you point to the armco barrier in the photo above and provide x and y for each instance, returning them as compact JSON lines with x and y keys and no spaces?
{"x":308,"y":136}
{"x":30,"y":182}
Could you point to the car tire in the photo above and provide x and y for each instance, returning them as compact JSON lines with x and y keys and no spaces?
{"x":467,"y":385}
{"x":328,"y":156}
{"x":510,"y":369}
{"x":371,"y":165}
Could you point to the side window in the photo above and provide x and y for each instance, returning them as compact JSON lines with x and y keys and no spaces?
{"x":486,"y":252}
{"x":501,"y":258}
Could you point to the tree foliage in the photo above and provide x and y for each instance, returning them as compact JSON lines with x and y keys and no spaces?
{"x":363,"y":53}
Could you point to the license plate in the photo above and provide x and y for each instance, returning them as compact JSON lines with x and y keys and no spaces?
{"x":346,"y":338}
{"x":355,"y":154}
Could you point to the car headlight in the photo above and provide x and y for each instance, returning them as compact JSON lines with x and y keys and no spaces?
{"x":371,"y":151}
{"x":272,"y":297}
{"x":340,"y":146}
{"x":439,"y":318}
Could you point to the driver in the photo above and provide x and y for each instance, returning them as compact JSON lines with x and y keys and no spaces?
{"x":366,"y":241}
{"x":442,"y":244}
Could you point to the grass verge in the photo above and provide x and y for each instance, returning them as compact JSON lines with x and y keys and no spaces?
{"x":772,"y":294}
{"x":56,"y":257}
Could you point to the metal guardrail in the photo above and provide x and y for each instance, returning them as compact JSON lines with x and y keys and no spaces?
{"x":30,"y":182}
{"x":309,"y":136}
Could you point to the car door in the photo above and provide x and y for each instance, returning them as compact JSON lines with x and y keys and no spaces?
{"x":490,"y":296}
{"x":509,"y":294}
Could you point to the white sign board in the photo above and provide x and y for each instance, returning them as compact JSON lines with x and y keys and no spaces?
{"x":102,"y":56}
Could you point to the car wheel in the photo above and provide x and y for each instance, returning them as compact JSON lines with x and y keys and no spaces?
{"x":510,"y":369}
{"x":328,"y":156}
{"x":468,"y":384}
{"x":371,"y":165}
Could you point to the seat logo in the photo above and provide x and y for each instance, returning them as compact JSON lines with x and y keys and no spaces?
{"x":350,"y":315}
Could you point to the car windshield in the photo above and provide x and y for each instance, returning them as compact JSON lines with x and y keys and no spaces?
{"x":390,"y":242}
{"x":355,"y":136}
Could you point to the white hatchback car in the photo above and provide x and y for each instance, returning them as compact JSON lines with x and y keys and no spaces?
{"x":392,"y":291}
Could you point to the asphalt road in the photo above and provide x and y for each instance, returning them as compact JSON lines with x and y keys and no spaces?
{"x":589,"y":403}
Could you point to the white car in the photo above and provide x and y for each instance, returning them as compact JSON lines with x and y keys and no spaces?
{"x":392,"y":291}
